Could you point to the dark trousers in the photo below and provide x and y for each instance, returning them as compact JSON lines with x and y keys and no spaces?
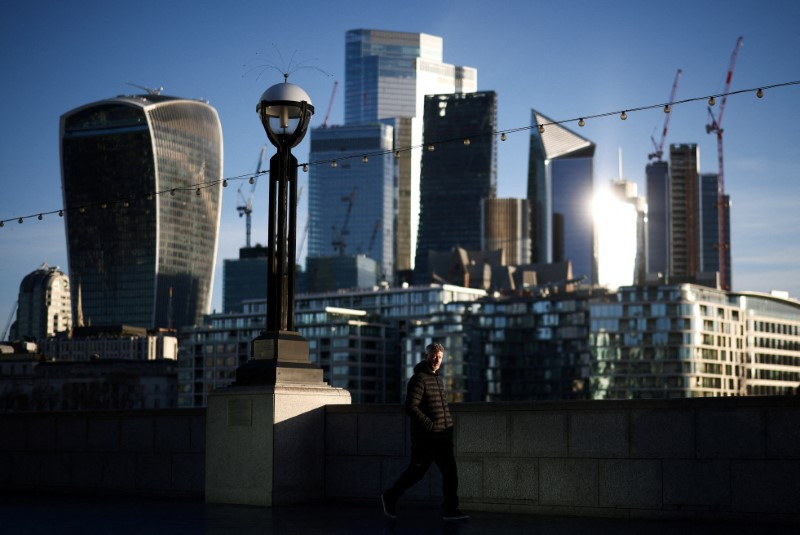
{"x":432,"y":448}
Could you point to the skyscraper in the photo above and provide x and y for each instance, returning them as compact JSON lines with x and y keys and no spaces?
{"x":657,"y":217}
{"x":710,"y":237}
{"x":560,"y":189}
{"x":142,"y":185}
{"x":505,"y":226}
{"x":44,"y":304}
{"x":684,"y":210}
{"x":351,"y":206}
{"x":387,"y":75}
{"x":456,"y":175}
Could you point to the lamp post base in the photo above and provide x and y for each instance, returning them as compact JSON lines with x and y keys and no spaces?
{"x":279,"y":358}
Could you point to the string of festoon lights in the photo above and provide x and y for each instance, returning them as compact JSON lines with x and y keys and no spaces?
{"x":364,"y":156}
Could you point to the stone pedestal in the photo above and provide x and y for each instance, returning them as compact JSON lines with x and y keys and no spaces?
{"x":265,"y":434}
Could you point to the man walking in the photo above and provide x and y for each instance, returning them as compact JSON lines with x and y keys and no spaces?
{"x":431,"y":436}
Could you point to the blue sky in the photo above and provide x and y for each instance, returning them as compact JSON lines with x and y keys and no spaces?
{"x":566,"y":59}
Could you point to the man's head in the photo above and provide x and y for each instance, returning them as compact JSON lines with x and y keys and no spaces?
{"x":434,"y":354}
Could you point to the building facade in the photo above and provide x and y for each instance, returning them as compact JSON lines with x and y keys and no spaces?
{"x":657,"y":177}
{"x":387,"y":75}
{"x":244,"y":278}
{"x":459,"y":170}
{"x":560,"y":192}
{"x":352,"y":205}
{"x":506,"y":226}
{"x":142,"y":185}
{"x":44,"y":304}
{"x":684,"y":198}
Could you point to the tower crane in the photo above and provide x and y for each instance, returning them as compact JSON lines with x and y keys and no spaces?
{"x":7,"y":328}
{"x":338,"y":241}
{"x":330,"y":104}
{"x":245,"y":207}
{"x":722,"y":208}
{"x":660,"y":145}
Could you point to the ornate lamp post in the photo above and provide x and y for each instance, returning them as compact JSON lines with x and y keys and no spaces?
{"x":280,"y":354}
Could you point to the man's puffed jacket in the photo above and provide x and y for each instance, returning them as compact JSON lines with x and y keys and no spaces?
{"x":426,"y":403}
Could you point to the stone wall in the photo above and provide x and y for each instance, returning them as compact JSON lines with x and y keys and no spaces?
{"x":145,"y":452}
{"x":735,"y":458}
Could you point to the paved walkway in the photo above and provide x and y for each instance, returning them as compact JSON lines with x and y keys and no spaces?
{"x":31,"y":514}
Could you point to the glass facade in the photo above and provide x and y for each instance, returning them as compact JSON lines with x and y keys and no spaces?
{"x":456,"y":176}
{"x":387,"y":75}
{"x":352,"y":206}
{"x":244,"y":278}
{"x":657,"y":217}
{"x":560,"y":190}
{"x":137,"y":258}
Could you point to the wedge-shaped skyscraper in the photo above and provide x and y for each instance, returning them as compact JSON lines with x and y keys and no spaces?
{"x":142,"y":185}
{"x":560,"y":190}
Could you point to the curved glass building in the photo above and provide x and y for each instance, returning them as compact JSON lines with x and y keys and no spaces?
{"x":141,"y":178}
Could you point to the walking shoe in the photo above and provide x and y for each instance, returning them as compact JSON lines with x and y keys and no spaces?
{"x":389,"y":507}
{"x":455,"y":514}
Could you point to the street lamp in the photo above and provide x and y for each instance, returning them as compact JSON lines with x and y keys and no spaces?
{"x":280,"y":354}
{"x":285,"y":111}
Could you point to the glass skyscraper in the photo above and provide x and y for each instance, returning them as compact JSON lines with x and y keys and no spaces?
{"x":457,"y":175}
{"x":560,"y":190}
{"x":351,"y":206}
{"x":387,"y":75}
{"x":657,"y":217}
{"x":142,"y":185}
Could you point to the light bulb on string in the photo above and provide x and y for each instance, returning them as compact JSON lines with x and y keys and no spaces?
{"x":333,"y":164}
{"x":126,"y":204}
{"x":397,"y":154}
{"x":252,"y":180}
{"x":197,"y":192}
{"x":103,"y":206}
{"x":82,"y":209}
{"x":364,"y":159}
{"x":224,"y":182}
{"x":503,"y":136}
{"x":623,"y":115}
{"x":666,"y":108}
{"x":581,"y":122}
{"x":19,"y":221}
{"x":760,"y":93}
{"x":305,"y":168}
{"x":61,"y":213}
{"x":39,"y":217}
{"x":2,"y":224}
{"x":466,"y":141}
{"x":541,"y":129}
{"x":711,"y":101}
{"x":431,"y":148}
{"x":173,"y":191}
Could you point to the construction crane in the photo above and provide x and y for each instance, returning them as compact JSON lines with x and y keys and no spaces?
{"x":659,"y":146}
{"x":7,"y":328}
{"x":338,"y":241}
{"x":716,"y":127}
{"x":330,"y":104}
{"x":245,"y":207}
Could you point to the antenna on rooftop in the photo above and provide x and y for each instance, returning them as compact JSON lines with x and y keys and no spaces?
{"x":150,"y":91}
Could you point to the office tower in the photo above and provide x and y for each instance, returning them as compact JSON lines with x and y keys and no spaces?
{"x":244,"y":278}
{"x":709,"y":234}
{"x":351,"y":206}
{"x":142,"y":185}
{"x":657,"y":174}
{"x":560,"y":190}
{"x":505,"y":224}
{"x":456,"y":174}
{"x":684,"y":210}
{"x":44,"y":304}
{"x":620,"y":229}
{"x":332,"y":273}
{"x":387,"y":75}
